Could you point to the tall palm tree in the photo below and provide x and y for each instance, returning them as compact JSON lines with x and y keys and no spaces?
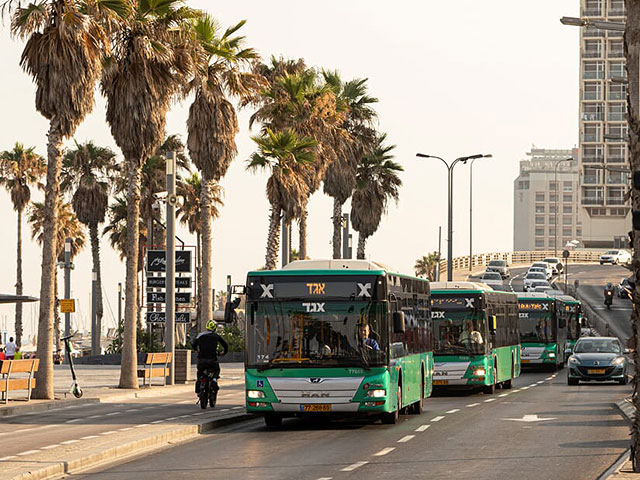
{"x":282,"y":153}
{"x":67,"y":226}
{"x":64,"y":51}
{"x":427,"y":266}
{"x":20,"y":168}
{"x":377,"y":183}
{"x":150,"y":63}
{"x":340,"y":177}
{"x":221,"y":74}
{"x":87,"y":172}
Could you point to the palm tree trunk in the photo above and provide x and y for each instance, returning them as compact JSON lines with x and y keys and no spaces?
{"x":302,"y":252}
{"x":273,"y":239}
{"x":198,"y":275}
{"x":95,"y":257}
{"x":632,"y":50}
{"x":337,"y":228}
{"x":362,"y":240}
{"x":18,"y":324}
{"x":44,"y":375}
{"x":129,"y":364}
{"x":56,"y":314}
{"x":206,"y":309}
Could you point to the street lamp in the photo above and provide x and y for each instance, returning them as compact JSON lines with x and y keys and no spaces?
{"x":450,"y":203}
{"x":471,"y":209}
{"x":555,"y":204}
{"x":586,"y":22}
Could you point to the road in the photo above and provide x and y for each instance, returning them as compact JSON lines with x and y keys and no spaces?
{"x":541,"y":429}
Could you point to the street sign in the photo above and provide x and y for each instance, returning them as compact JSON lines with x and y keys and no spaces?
{"x":157,"y":261}
{"x":160,"y":297}
{"x":565,"y":254}
{"x":160,"y":282}
{"x":161,"y":317}
{"x":67,"y":305}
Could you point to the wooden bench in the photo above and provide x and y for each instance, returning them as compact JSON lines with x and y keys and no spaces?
{"x":8,"y":383}
{"x":155,"y":365}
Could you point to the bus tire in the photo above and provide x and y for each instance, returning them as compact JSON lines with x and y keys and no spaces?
{"x":273,"y":420}
{"x":391,"y":418}
{"x":508,"y":384}
{"x":491,"y":389}
{"x":418,"y":407}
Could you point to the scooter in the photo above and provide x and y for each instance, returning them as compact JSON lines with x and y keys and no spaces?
{"x":74,"y":388}
{"x":608,"y":298}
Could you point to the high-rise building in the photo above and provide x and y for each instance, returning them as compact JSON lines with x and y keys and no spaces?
{"x":603,"y":158}
{"x":545,"y":194}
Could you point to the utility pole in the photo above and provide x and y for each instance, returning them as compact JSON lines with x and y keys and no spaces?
{"x":170,"y":281}
{"x":95,"y":328}
{"x":67,"y":283}
{"x":439,"y":248}
{"x":346,"y":237}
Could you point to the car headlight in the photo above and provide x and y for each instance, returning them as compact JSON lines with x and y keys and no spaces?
{"x":574,"y":361}
{"x":378,"y":393}
{"x":618,"y":361}
{"x":255,"y":394}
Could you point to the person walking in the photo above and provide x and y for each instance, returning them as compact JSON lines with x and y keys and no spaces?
{"x":10,"y":349}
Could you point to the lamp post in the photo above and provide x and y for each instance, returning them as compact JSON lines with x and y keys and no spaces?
{"x":555,"y":203}
{"x":450,"y":168}
{"x":170,"y":280}
{"x":471,"y":210}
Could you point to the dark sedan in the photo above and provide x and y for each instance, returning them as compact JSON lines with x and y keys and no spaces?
{"x":599,"y":359}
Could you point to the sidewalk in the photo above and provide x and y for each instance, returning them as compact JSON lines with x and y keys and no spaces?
{"x":624,"y":471}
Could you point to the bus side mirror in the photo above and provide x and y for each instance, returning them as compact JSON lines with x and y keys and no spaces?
{"x":493,"y":325}
{"x":398,"y":322}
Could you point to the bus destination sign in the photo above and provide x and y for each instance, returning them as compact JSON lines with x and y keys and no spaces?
{"x":534,"y":306}
{"x":453,"y":303}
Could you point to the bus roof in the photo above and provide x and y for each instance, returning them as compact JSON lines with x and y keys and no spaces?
{"x":440,"y":287}
{"x":534,"y":296}
{"x":568,"y":299}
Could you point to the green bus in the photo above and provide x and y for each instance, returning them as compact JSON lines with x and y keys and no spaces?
{"x":571,"y":310}
{"x":345,"y":337}
{"x":475,"y":333}
{"x":543,"y":332}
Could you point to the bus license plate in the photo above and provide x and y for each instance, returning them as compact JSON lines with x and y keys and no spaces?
{"x":315,"y":407}
{"x":441,"y":382}
{"x":596,"y":371}
{"x":525,"y":360}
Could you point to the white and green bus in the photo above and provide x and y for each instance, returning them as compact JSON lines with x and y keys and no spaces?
{"x":345,"y":337}
{"x":543,"y":332}
{"x":476,"y":341}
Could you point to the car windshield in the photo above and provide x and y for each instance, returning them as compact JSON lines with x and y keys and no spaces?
{"x":497,"y":263}
{"x":540,"y":265}
{"x":536,"y":321}
{"x":536,"y":270}
{"x":491,"y":276}
{"x":598,"y":345}
{"x":458,"y":327}
{"x":551,"y":260}
{"x":611,"y":252}
{"x":536,"y":276}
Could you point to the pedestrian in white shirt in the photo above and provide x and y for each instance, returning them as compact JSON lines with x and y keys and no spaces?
{"x":10,"y":349}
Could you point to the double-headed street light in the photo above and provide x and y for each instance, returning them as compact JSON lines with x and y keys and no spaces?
{"x":555,"y":203}
{"x":587,"y":22}
{"x":450,"y":168}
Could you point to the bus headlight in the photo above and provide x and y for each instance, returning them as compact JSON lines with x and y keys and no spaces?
{"x":255,"y":394}
{"x":376,"y":393}
{"x":479,"y":372}
{"x":551,"y":354}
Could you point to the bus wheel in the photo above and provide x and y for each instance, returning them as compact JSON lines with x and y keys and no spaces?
{"x":489,"y":389}
{"x":391,"y":418}
{"x":418,"y":407}
{"x":508,"y":384}
{"x":273,"y":420}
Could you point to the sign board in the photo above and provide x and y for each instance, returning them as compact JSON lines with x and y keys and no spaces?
{"x":157,"y":261}
{"x":67,"y":305}
{"x":565,"y":254}
{"x":161,"y":317}
{"x":159,"y":282}
{"x":160,"y":297}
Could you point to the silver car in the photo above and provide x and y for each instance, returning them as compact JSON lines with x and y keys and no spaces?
{"x":600,"y":359}
{"x":499,"y":266}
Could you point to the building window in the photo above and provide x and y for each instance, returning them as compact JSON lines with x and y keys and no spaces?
{"x":617,"y":112}
{"x":593,"y":196}
{"x":567,"y":209}
{"x":567,"y":186}
{"x":592,"y":8}
{"x":567,"y":198}
{"x":552,"y":231}
{"x":539,"y":231}
{"x":578,"y":231}
{"x":616,"y":49}
{"x":616,"y":153}
{"x":617,"y":132}
{"x":591,"y":91}
{"x":552,"y":220}
{"x":593,"y":71}
{"x":592,"y":49}
{"x":616,"y":8}
{"x":592,"y":154}
{"x":552,"y":242}
{"x":617,"y":91}
{"x":553,"y":186}
{"x":618,"y":212}
{"x":523,"y":185}
{"x":539,"y":242}
{"x":567,"y":221}
{"x":617,"y":178}
{"x":540,"y":197}
{"x":553,"y":197}
{"x":592,"y":176}
{"x":615,"y":195}
{"x":598,"y":212}
{"x":592,"y":112}
{"x":552,"y":209}
{"x":591,"y":132}
{"x":539,"y":208}
{"x":567,"y":232}
{"x":540,"y":220}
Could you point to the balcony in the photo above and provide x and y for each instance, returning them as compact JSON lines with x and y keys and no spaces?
{"x":617,"y":95}
{"x":615,"y":34}
{"x":592,"y":201}
{"x":592,"y":12}
{"x":591,"y":137}
{"x":611,"y":159}
{"x":616,"y":12}
{"x":592,"y":117}
{"x":593,"y":75}
{"x":593,"y":159}
{"x":590,"y":180}
{"x":590,"y":95}
{"x":592,"y":54}
{"x":615,"y":201}
{"x":616,"y":53}
{"x":592,"y":32}
{"x":616,"y":117}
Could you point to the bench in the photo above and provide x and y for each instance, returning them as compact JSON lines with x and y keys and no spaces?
{"x":155,"y":365}
{"x":8,"y":382}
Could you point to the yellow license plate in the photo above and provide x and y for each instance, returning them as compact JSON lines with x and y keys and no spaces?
{"x":525,"y":361}
{"x":315,"y":407}
{"x":596,"y":371}
{"x":441,"y":382}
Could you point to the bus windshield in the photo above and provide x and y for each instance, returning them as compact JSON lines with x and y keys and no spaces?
{"x":536,"y":323}
{"x":311,"y":334}
{"x":458,"y":327}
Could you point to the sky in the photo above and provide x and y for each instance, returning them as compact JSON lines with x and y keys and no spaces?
{"x":452,"y":78}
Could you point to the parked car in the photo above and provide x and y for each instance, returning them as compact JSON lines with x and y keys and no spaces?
{"x":599,"y":359}
{"x":544,"y":265}
{"x":492,"y":279}
{"x":532,"y":277}
{"x":624,"y":288}
{"x":499,"y":266}
{"x":614,"y":257}
{"x":555,"y":263}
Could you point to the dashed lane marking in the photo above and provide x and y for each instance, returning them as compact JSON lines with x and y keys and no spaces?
{"x":142,"y":425}
{"x":437,"y":419}
{"x":490,"y":400}
{"x":69,"y":442}
{"x":74,"y":420}
{"x":88,"y":437}
{"x":125,"y":429}
{"x":516,"y":390}
{"x":134,"y":409}
{"x":10,"y":457}
{"x":541,"y":381}
{"x":110,"y":432}
{"x":28,"y":452}
{"x":453,"y":411}
{"x":503,"y":395}
{"x":422,"y":428}
{"x":158,"y":421}
{"x":534,"y":384}
{"x":472,"y":405}
{"x":49,"y":447}
{"x":112,"y":413}
{"x":353,"y":466}
{"x":94,"y":416}
{"x":549,"y":378}
{"x":236,"y":408}
{"x":406,"y":438}
{"x":325,"y":478}
{"x":384,"y":451}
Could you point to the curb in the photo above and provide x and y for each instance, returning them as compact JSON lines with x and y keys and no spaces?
{"x":128,"y":450}
{"x":626,"y":410}
{"x":47,"y":405}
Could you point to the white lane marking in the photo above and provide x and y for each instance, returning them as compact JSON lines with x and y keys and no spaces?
{"x":235,"y":408}
{"x":49,"y":447}
{"x":353,"y":466}
{"x":516,"y":391}
{"x":183,"y":416}
{"x":69,"y":442}
{"x":88,"y":437}
{"x":533,"y":384}
{"x":132,"y":410}
{"x":472,"y":405}
{"x":325,"y":478}
{"x":453,"y":411}
{"x":384,"y":451}
{"x":185,"y":401}
{"x":490,"y":400}
{"x":142,"y":425}
{"x":437,"y":419}
{"x":109,"y":432}
{"x":74,"y":420}
{"x":112,"y":413}
{"x":548,"y":378}
{"x":406,"y":438}
{"x":95,"y":416}
{"x":503,"y":395}
{"x":10,"y":457}
{"x":224,"y":410}
{"x":125,"y":429}
{"x":524,"y":388}
{"x":28,"y":452}
{"x":541,"y":381}
{"x":199,"y":413}
{"x":422,"y":428}
{"x":32,"y":429}
{"x":146,"y":408}
{"x":170,"y":419}
{"x":157,"y":421}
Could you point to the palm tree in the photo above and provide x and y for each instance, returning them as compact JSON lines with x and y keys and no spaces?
{"x":19,"y":169}
{"x":150,"y":63}
{"x":64,"y":51}
{"x":340,"y":177}
{"x":282,"y":153}
{"x":377,"y":182}
{"x":213,"y":124}
{"x":67,"y":226}
{"x":87,"y":172}
{"x":427,"y":266}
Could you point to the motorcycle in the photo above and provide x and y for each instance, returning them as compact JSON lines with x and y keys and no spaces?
{"x":75,"y":388}
{"x":608,"y":298}
{"x":208,"y":392}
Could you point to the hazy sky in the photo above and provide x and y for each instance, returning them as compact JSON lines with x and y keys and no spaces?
{"x":453,"y":78}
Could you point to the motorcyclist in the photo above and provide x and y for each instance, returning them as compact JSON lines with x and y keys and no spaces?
{"x":608,"y":293}
{"x":206,"y":344}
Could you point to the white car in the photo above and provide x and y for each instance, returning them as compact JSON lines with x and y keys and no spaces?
{"x":548,"y":268}
{"x":492,"y":279}
{"x":614,"y":257}
{"x":555,"y":263}
{"x":533,"y":277}
{"x":541,"y":288}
